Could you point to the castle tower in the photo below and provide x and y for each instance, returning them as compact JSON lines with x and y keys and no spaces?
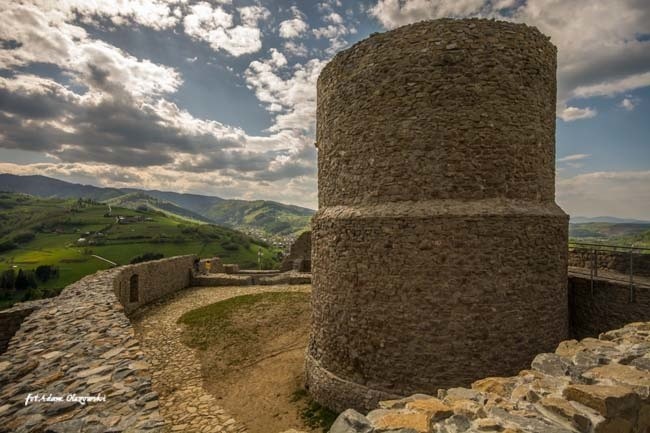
{"x":439,"y":254}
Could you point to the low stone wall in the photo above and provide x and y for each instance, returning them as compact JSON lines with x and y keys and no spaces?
{"x":612,"y":260}
{"x":609,"y":306}
{"x":12,"y":318}
{"x":249,"y":279}
{"x":81,"y":344}
{"x":595,"y":385}
{"x":143,"y":283}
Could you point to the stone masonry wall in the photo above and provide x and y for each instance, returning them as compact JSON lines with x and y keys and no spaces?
{"x":589,"y":386}
{"x":82,"y":343}
{"x":608,"y":306}
{"x":439,"y":254}
{"x":299,"y":258}
{"x":155,"y":279}
{"x":612,"y":260}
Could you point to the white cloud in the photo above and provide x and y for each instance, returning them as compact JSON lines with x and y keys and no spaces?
{"x":569,"y":114}
{"x":623,"y":194}
{"x":296,"y":94}
{"x":296,"y":49}
{"x":215,"y":26}
{"x":574,"y":157}
{"x":334,"y":18}
{"x":252,"y":15}
{"x":117,"y":125}
{"x":629,"y":103}
{"x":47,"y":38}
{"x":395,"y":13}
{"x":613,"y":87}
{"x":292,"y":28}
{"x":156,"y":14}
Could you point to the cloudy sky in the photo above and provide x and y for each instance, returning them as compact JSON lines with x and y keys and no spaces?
{"x":218,"y":97}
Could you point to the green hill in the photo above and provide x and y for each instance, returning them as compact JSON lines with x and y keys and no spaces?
{"x":79,"y":237}
{"x":265,"y":217}
{"x":142,"y":201}
{"x":625,"y":234}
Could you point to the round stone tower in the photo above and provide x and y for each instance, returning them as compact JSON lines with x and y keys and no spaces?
{"x":439,"y":255}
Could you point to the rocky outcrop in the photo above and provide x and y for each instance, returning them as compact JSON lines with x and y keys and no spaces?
{"x":589,"y":386}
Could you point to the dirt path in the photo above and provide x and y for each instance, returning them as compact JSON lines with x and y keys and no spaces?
{"x":177,"y":375}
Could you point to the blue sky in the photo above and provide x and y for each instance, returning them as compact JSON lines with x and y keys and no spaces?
{"x":219,"y":97}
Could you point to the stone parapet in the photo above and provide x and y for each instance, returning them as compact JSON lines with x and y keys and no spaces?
{"x":618,"y":261}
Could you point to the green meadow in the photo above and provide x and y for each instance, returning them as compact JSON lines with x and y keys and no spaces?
{"x":80,"y":237}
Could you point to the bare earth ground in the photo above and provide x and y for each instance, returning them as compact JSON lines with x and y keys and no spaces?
{"x":245,"y":368}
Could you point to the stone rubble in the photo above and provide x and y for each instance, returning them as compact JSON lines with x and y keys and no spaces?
{"x":590,"y":386}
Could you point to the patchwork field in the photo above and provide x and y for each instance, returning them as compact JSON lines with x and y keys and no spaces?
{"x":79,"y":237}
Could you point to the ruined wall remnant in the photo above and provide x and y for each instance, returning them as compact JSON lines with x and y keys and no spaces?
{"x":299,"y":258}
{"x":439,"y":254}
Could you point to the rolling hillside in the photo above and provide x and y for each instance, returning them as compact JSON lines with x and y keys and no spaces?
{"x":79,"y":237}
{"x":265,"y":217}
{"x":625,"y":234}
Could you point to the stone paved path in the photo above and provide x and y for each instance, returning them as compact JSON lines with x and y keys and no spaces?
{"x":176,"y":369}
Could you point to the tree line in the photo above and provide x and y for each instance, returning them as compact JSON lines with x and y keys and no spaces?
{"x":25,"y":282}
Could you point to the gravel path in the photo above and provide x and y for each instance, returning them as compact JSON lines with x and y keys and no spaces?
{"x":176,"y":369}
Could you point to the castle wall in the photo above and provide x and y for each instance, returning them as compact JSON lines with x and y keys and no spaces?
{"x":609,"y":306}
{"x":439,"y":255}
{"x":82,"y":343}
{"x":155,"y":279}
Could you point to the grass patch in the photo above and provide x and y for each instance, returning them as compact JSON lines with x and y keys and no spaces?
{"x":216,"y":323}
{"x":314,"y":414}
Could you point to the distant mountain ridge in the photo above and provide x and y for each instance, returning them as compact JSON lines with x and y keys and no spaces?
{"x":606,"y":219}
{"x":268,"y":216}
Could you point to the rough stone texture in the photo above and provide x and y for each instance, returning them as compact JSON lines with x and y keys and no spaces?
{"x":608,"y":306}
{"x":299,"y":258}
{"x":78,"y":343}
{"x":617,"y":261}
{"x":12,"y":318}
{"x":439,"y":255}
{"x":231,"y":269}
{"x":561,"y":393}
{"x":156,"y":279}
